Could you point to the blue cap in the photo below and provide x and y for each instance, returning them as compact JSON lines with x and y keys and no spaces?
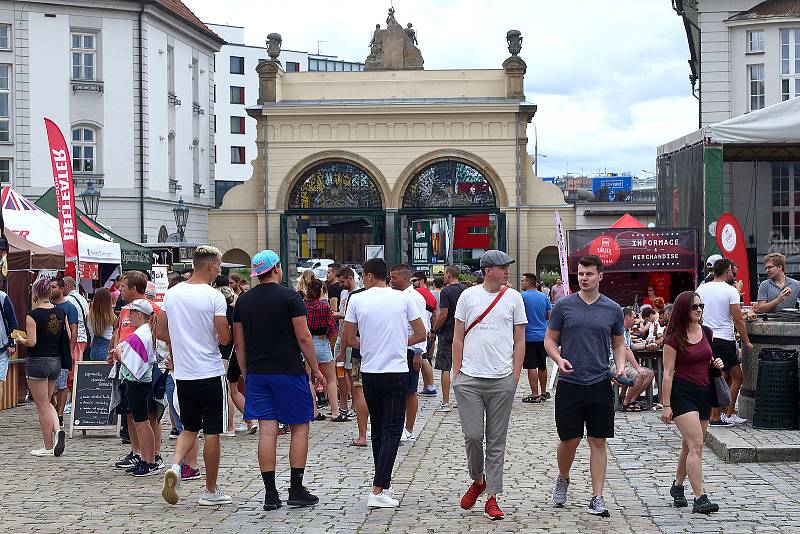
{"x":264,"y":261}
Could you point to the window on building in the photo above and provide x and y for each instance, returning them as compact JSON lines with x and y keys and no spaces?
{"x":84,"y":53}
{"x":237,"y":95}
{"x":786,"y":200}
{"x":790,"y":63}
{"x":5,"y":171}
{"x":214,"y":154}
{"x":755,"y":77}
{"x":5,"y":103}
{"x":214,"y":123}
{"x":292,"y":66}
{"x":237,"y":154}
{"x":196,"y":160}
{"x":755,"y":41}
{"x":171,"y":69}
{"x":195,"y":81}
{"x":84,"y":149}
{"x":5,"y":36}
{"x":237,"y":65}
{"x":221,"y":187}
{"x":237,"y":125}
{"x":477,"y":230}
{"x":313,"y":64}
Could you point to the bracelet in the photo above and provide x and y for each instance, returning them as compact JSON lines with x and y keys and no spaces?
{"x":666,"y":406}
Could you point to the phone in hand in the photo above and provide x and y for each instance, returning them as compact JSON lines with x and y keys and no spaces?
{"x":624,"y":380}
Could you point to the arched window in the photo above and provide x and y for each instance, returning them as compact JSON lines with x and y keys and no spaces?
{"x":337,"y":185}
{"x":449,"y":184}
{"x":84,"y":149}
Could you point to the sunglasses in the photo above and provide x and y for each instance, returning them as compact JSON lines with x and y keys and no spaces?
{"x":696,"y":307}
{"x":414,"y":280}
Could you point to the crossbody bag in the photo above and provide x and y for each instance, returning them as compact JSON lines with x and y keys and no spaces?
{"x":88,"y":349}
{"x":486,"y":311}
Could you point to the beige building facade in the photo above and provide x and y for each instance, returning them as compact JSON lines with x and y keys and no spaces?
{"x":348,"y":159}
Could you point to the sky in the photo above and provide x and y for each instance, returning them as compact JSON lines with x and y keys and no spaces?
{"x":610,"y":79}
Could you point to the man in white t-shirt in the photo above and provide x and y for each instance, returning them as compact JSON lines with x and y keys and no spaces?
{"x":193,"y":321}
{"x":376,"y":323}
{"x":722,"y":313}
{"x":488,"y":353}
{"x":400,"y":276}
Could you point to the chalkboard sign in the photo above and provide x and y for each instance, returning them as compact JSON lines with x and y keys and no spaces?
{"x":91,"y":397}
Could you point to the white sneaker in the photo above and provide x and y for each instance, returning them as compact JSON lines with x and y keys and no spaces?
{"x":407,"y":437}
{"x":242,"y":428}
{"x":172,"y":480}
{"x":213,"y":499}
{"x":67,"y":408}
{"x":735,"y":419}
{"x":444,"y":407}
{"x":42,"y":452}
{"x":381,"y":500}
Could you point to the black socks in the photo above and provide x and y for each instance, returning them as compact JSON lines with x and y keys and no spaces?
{"x":269,"y":481}
{"x":296,"y":478}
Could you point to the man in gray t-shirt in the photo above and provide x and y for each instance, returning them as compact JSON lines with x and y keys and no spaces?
{"x":778,"y":292}
{"x":583,"y":325}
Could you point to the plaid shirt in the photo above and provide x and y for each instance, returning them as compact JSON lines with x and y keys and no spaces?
{"x":320,"y":320}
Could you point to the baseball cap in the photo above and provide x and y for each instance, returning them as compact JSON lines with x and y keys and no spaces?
{"x":140,"y":305}
{"x":495,"y":258}
{"x":713,"y":259}
{"x":264,"y":261}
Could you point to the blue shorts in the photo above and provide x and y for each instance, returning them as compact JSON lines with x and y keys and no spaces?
{"x":3,"y":366}
{"x":413,"y":374}
{"x":283,"y":398}
{"x":322,"y":347}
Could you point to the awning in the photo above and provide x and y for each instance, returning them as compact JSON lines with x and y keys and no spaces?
{"x":133,"y":256}
{"x":39,"y":227}
{"x":627,"y":221}
{"x":24,"y":255}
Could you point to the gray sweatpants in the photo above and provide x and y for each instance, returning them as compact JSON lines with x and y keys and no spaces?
{"x":490,"y":399}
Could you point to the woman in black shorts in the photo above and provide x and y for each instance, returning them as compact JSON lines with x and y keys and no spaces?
{"x":47,"y":340}
{"x":687,"y":393}
{"x":233,"y":372}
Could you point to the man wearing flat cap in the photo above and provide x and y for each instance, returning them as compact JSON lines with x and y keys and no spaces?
{"x":488,"y":351}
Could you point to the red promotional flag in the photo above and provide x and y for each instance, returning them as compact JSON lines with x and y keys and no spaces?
{"x":65,"y":192}
{"x":731,"y":241}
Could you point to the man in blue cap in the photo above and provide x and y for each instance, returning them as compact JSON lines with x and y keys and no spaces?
{"x":272,"y":338}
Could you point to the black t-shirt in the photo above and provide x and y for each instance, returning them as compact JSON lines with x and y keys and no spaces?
{"x":335,"y":292}
{"x":266,"y":313}
{"x":354,"y":353}
{"x":448,"y":298}
{"x":227,"y":350}
{"x":51,"y":333}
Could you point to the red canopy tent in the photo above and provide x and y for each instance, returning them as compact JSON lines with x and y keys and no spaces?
{"x":627,"y":221}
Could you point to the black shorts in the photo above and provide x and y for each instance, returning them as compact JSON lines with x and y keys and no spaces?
{"x":726,"y":351}
{"x":140,"y":400}
{"x":234,"y":371}
{"x":123,"y":408}
{"x":413,"y":374}
{"x":444,"y":356}
{"x":578,"y":405}
{"x":203,"y":404}
{"x":688,"y":397}
{"x":535,"y":356}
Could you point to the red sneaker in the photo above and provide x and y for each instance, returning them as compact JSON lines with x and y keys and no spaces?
{"x":472,"y":494}
{"x":492,"y":511}
{"x":187,"y":473}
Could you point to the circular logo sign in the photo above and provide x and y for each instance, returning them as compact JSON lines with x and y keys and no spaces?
{"x":728,"y":237}
{"x":606,"y":248}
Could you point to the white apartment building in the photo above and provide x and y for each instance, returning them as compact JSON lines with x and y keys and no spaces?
{"x":130,"y":84}
{"x":237,"y":88}
{"x":746,"y":54}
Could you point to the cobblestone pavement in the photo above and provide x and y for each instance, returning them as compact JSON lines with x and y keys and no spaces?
{"x":81,"y":492}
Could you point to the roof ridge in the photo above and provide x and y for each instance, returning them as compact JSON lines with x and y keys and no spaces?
{"x":182,"y":11}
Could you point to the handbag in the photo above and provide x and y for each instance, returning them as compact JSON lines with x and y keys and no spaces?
{"x":87,"y":351}
{"x":66,"y":354}
{"x":486,"y":311}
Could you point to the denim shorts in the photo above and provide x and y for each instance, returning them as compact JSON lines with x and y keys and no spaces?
{"x":3,"y":366}
{"x":323,"y":349}
{"x":44,"y":368}
{"x":62,"y":379}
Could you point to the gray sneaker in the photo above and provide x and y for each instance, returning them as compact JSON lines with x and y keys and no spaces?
{"x":560,"y":491}
{"x":215,"y":498}
{"x":597,"y":506}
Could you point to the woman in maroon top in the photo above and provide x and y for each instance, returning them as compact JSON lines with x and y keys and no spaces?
{"x":323,"y":328}
{"x":686,"y":393}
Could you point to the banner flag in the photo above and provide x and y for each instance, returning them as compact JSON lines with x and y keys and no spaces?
{"x":730,"y":240}
{"x":562,"y":252}
{"x":65,"y":191}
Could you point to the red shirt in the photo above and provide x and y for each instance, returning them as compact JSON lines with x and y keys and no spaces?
{"x":320,"y":320}
{"x":692,"y":364}
{"x":430,"y":300}
{"x":124,"y":323}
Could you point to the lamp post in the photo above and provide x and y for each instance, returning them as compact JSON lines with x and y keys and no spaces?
{"x":181,"y":213}
{"x":91,"y":200}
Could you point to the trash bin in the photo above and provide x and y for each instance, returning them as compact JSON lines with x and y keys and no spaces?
{"x":776,"y":391}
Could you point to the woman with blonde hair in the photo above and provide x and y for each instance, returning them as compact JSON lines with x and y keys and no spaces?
{"x":303,"y":281}
{"x":48,"y":343}
{"x":100,"y":321}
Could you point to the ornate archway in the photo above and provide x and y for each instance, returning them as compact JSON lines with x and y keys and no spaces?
{"x":335,"y":185}
{"x":449,"y":183}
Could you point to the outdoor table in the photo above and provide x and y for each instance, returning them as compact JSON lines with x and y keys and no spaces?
{"x":654,"y":359}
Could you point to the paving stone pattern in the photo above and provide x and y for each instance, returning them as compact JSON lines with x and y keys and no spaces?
{"x":80,"y":492}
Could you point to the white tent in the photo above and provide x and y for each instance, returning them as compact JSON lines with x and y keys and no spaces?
{"x":27,"y":220}
{"x":779,"y":123}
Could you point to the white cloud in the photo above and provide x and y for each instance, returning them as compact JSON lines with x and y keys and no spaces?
{"x":610,"y":79}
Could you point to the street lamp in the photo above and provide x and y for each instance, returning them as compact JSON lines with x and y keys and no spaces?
{"x":181,"y":213}
{"x":91,"y":200}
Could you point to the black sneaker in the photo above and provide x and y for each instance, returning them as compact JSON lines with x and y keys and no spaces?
{"x":301,"y":497}
{"x":272,"y":501}
{"x":58,"y":450}
{"x":132,"y":469}
{"x":678,"y":496}
{"x":320,"y":417}
{"x":127,"y":461}
{"x":703,"y":506}
{"x":145,"y":469}
{"x":597,"y":506}
{"x":719,"y":423}
{"x":159,"y":462}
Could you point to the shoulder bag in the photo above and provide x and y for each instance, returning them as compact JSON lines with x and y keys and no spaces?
{"x":720,"y":392}
{"x":88,"y":349}
{"x":486,"y":311}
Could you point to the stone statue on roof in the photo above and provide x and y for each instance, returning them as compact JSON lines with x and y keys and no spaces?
{"x":394,"y":48}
